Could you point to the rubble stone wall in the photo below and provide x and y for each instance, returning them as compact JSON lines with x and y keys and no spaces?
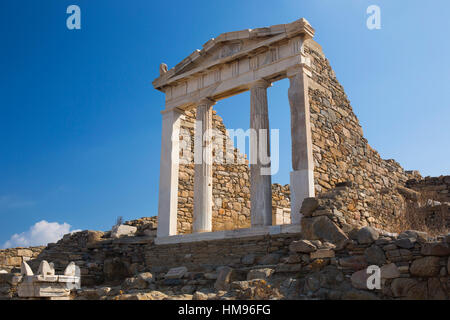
{"x":433,"y":188}
{"x":342,"y":154}
{"x":12,"y":258}
{"x":231,"y":183}
{"x":324,"y":263}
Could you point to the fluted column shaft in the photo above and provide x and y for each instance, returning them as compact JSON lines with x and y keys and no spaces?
{"x":168,"y":174}
{"x":203,"y":167}
{"x":260,"y":178}
{"x":302,"y":176}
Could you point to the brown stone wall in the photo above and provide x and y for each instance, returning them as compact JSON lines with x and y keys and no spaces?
{"x":231,"y":183}
{"x":342,"y":154}
{"x":323,"y":263}
{"x":433,"y":188}
{"x":12,"y":258}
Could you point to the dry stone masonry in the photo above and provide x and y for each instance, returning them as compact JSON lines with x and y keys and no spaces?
{"x":225,"y":232}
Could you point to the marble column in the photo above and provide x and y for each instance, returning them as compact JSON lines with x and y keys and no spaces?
{"x":260,"y":178}
{"x":203,"y":167}
{"x":302,"y":176}
{"x":168,"y":173}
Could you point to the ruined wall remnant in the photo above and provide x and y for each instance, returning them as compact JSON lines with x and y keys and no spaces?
{"x":231,"y":183}
{"x":342,"y":154}
{"x":433,"y":188}
{"x":13,"y":258}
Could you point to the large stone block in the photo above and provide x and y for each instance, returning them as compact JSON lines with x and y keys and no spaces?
{"x":309,"y":205}
{"x":367,"y":235}
{"x":123,"y":230}
{"x":425,"y":267}
{"x":390,"y":271}
{"x":401,"y":286}
{"x":115,"y":269}
{"x":435,"y":249}
{"x":11,"y":261}
{"x":224,"y":278}
{"x":176,"y":273}
{"x":264,"y":273}
{"x":353,"y":262}
{"x":303,"y":246}
{"x":322,"y":253}
{"x":375,"y":255}
{"x":322,"y":228}
{"x":359,"y":279}
{"x":24,"y":253}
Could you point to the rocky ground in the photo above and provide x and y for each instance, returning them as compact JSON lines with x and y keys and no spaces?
{"x":413,"y":266}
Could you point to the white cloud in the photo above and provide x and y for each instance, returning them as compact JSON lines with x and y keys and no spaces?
{"x":41,"y":233}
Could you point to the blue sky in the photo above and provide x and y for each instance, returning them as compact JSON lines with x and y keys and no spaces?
{"x":79,"y":120}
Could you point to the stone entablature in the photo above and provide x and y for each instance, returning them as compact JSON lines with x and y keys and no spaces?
{"x":228,"y":64}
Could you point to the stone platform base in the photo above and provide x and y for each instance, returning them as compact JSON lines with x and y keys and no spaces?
{"x":229,"y":234}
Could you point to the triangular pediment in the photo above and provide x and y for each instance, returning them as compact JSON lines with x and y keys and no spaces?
{"x":228,"y":46}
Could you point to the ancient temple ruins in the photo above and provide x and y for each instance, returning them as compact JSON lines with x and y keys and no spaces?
{"x":232,"y":63}
{"x":345,"y":209}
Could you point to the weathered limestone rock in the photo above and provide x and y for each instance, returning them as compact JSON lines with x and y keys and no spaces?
{"x":258,"y":289}
{"x":199,"y":296}
{"x":406,"y":243}
{"x":401,"y":286}
{"x":271,"y":258}
{"x":115,"y":269}
{"x":359,"y":279}
{"x":425,"y":267}
{"x":409,"y":194}
{"x":146,"y":276}
{"x":94,"y":236}
{"x":322,"y":253}
{"x":123,"y":230}
{"x":309,"y":205}
{"x":435,"y":290}
{"x":176,"y":273}
{"x":264,"y":273}
{"x":24,"y":252}
{"x":153,"y":295}
{"x":11,"y":261}
{"x":141,"y":281}
{"x":389,"y":271}
{"x":375,"y":255}
{"x":224,"y":278}
{"x":419,"y":236}
{"x":367,"y":235}
{"x":435,"y":249}
{"x":353,"y":262}
{"x":322,"y":228}
{"x":303,"y":246}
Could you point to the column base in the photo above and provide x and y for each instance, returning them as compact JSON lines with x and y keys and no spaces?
{"x":301,"y":186}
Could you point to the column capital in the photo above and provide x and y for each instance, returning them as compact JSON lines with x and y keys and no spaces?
{"x":206,"y":101}
{"x":260,"y":83}
{"x":298,"y":69}
{"x":304,"y":66}
{"x":171,"y":110}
